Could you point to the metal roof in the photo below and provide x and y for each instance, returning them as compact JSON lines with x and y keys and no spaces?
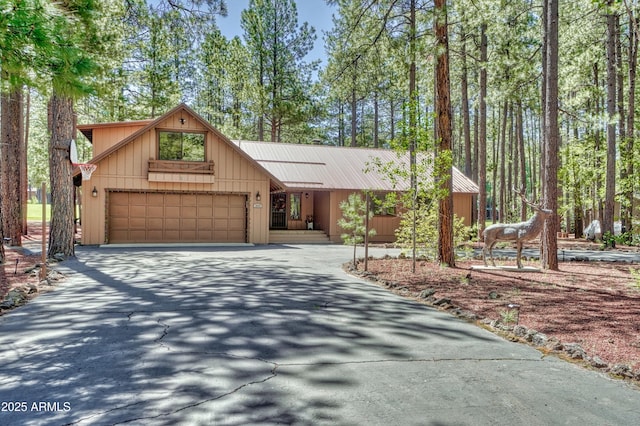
{"x":329,"y":167}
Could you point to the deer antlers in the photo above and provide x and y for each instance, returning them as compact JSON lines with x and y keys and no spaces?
{"x":536,"y":206}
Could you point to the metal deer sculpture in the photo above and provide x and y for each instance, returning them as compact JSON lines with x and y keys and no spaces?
{"x":518,"y":232}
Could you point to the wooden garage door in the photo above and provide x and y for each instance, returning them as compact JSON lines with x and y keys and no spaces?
{"x":151,"y":217}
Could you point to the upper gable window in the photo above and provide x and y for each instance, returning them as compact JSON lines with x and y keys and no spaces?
{"x":181,"y":146}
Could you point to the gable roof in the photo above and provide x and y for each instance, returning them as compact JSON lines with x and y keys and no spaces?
{"x":150,"y":124}
{"x":329,"y":167}
{"x":87,"y":129}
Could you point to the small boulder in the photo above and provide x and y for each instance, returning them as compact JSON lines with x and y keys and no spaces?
{"x":575,"y":351}
{"x":424,"y":294}
{"x":597,"y":362}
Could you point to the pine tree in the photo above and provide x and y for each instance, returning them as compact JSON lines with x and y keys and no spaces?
{"x":278,"y":46}
{"x":353,"y":221}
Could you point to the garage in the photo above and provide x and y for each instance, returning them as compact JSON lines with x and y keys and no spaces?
{"x":170,"y":217}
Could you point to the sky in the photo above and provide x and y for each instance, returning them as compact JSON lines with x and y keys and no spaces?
{"x":315,"y":12}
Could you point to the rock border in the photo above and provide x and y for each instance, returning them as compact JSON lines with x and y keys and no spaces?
{"x":22,"y":294}
{"x":572,"y":352}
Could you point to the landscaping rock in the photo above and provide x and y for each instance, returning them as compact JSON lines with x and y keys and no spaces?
{"x":520,"y":330}
{"x":539,"y":339}
{"x":622,"y":371}
{"x":427,"y":293}
{"x":597,"y":362}
{"x":554,"y":344}
{"x":442,"y":301}
{"x":529,"y":336}
{"x":575,"y":351}
{"x":14,"y":298}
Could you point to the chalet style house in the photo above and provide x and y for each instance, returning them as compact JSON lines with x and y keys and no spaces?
{"x":177,"y":179}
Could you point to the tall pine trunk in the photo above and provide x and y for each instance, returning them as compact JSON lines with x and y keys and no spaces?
{"x":549,"y":249}
{"x":12,"y":147}
{"x":629,"y":187}
{"x":502,"y":164}
{"x":354,"y":108}
{"x":24,"y":177}
{"x":466,"y":120}
{"x":610,"y":178}
{"x":482,"y":134}
{"x":446,"y":249}
{"x":61,"y":129}
{"x":521,"y":159}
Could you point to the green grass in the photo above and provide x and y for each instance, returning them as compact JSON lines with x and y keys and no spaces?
{"x":34,"y":211}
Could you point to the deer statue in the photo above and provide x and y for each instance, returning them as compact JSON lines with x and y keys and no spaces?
{"x":518,"y":232}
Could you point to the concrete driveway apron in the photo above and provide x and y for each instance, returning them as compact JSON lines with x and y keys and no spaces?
{"x":271,"y":335}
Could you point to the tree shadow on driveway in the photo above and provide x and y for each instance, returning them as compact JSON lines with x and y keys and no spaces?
{"x":207,"y":336}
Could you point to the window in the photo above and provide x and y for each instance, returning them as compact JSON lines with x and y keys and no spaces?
{"x":382,"y":204}
{"x":294,"y":206}
{"x":181,"y":146}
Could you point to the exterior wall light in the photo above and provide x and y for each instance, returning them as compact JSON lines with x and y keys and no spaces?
{"x":258,"y":198}
{"x":94,"y":193}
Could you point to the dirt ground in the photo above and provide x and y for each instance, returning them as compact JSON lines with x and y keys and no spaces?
{"x":595,"y":305}
{"x":22,"y":270}
{"x":19,"y":266}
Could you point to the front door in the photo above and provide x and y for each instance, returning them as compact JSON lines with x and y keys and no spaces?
{"x":279,"y":211}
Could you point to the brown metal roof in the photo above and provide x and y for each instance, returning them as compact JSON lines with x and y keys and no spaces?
{"x":328,"y":167}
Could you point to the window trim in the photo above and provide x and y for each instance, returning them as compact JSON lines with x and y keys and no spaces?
{"x":291,"y":205}
{"x":182,"y":132}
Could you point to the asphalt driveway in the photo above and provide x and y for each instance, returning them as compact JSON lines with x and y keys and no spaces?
{"x":271,"y":335}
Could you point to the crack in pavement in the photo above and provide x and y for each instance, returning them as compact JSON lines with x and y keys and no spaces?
{"x":198,"y":403}
{"x":165,"y":331}
{"x":274,"y":373}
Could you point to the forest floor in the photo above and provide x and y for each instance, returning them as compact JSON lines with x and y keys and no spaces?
{"x":594,"y":306}
{"x":586,"y":311}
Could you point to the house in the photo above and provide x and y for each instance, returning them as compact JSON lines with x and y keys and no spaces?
{"x":178,"y":179}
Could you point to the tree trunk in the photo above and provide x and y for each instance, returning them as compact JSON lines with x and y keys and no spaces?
{"x":521,"y":159}
{"x":446,"y":249}
{"x":392,"y":124}
{"x":630,"y":139}
{"x":12,"y":140}
{"x":482,"y":135}
{"x":413,"y":129}
{"x":512,"y":166}
{"x":24,"y":177}
{"x":549,"y":250}
{"x":376,"y":120}
{"x":502,"y":162}
{"x":610,"y":183}
{"x":354,"y":107}
{"x":466,"y":121}
{"x":597,"y":142}
{"x":474,"y":165}
{"x":61,"y":128}
{"x":578,"y":205}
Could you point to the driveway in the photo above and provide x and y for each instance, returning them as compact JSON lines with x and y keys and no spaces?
{"x":271,"y":335}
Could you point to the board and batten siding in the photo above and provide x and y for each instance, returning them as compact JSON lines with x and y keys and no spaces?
{"x":105,"y":137}
{"x":386,"y":226}
{"x":127,"y":170}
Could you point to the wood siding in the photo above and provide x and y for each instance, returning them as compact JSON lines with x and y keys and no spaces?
{"x":386,"y":226}
{"x":127,"y":170}
{"x":105,"y":137}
